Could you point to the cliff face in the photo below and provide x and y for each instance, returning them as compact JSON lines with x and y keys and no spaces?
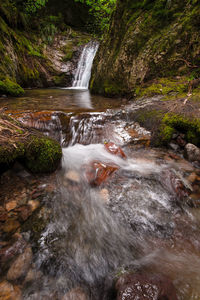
{"x":148,"y":40}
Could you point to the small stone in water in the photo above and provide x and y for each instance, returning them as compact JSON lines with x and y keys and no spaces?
{"x":11,"y":225}
{"x":34,"y":204}
{"x":72,"y":176}
{"x":104,"y":195}
{"x":11,"y":205}
{"x":114,"y":149}
{"x":20,"y":266}
{"x":9,"y":292}
{"x":192,"y":177}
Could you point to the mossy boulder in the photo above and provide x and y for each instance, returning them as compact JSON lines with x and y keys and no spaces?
{"x":38,"y":153}
{"x":42,"y":155}
{"x":9,"y":87}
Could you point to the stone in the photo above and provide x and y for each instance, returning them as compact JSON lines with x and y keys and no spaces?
{"x":24,"y":212}
{"x":97,"y":173}
{"x":34,"y":204}
{"x":20,"y":266}
{"x":75,"y":294}
{"x":192,"y":177}
{"x":15,"y":247}
{"x":104,"y":194}
{"x":114,"y":149}
{"x":11,"y":225}
{"x":192,"y":152}
{"x":72,"y":176}
{"x":11,"y":205}
{"x":3,"y":214}
{"x":9,"y":292}
{"x":145,"y":287}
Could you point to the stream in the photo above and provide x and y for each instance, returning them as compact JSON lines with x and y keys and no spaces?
{"x":83,"y":235}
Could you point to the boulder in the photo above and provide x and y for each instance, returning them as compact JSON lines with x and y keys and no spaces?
{"x":114,"y":149}
{"x":75,"y":294}
{"x":192,"y":152}
{"x":145,"y":287}
{"x":97,"y":173}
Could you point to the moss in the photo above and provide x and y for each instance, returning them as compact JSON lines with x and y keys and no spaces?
{"x":42,"y":155}
{"x":68,"y":56}
{"x":8,"y":87}
{"x":162,"y":86}
{"x":174,"y":122}
{"x":59,"y":80}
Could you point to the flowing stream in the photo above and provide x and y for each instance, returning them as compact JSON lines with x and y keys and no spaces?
{"x":136,"y":220}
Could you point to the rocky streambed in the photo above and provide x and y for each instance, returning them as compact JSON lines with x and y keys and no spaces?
{"x":118,"y":220}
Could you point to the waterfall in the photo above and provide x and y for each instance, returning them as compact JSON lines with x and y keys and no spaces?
{"x":83,"y":72}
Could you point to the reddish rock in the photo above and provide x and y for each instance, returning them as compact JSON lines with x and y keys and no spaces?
{"x":174,"y":185}
{"x":10,"y":225}
{"x":114,"y":149}
{"x":97,"y":172}
{"x":9,"y":292}
{"x":3,"y":214}
{"x":145,"y":287}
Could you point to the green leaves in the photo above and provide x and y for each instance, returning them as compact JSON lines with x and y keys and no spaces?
{"x":101,"y":10}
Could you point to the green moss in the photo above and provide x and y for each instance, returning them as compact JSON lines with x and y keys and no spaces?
{"x":59,"y":80}
{"x":68,"y":56}
{"x":174,"y":122}
{"x":9,"y":87}
{"x":163,"y":86}
{"x":42,"y":155}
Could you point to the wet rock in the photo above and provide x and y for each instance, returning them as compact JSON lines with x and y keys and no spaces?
{"x":97,"y":173}
{"x":72,"y":176}
{"x":33,"y":204}
{"x":15,"y":247}
{"x":23,"y":212}
{"x":180,"y":141}
{"x":32,"y":275}
{"x":3,"y":214}
{"x":174,"y":185}
{"x":11,"y":205}
{"x":192,"y":177}
{"x":75,"y":294}
{"x":174,"y":146}
{"x":192,"y":153}
{"x":104,"y":194}
{"x":11,"y":225}
{"x":114,"y":149}
{"x":9,"y":292}
{"x":20,"y":266}
{"x":145,"y":287}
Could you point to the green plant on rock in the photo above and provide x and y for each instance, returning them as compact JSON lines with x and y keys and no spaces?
{"x":9,"y":87}
{"x":42,"y":155}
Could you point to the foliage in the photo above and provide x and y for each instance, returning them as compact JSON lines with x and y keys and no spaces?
{"x":31,"y":6}
{"x":101,"y":10}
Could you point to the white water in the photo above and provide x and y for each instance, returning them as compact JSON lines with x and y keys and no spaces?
{"x":83,"y":72}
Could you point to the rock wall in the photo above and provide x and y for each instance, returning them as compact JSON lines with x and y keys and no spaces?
{"x":148,"y":40}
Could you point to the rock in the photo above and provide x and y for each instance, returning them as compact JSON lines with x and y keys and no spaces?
{"x":145,"y":287}
{"x":3,"y":214}
{"x":11,"y":225}
{"x":180,"y":141}
{"x":174,"y":185}
{"x":174,"y":146}
{"x":114,"y":149}
{"x":20,"y":266}
{"x":72,"y":176}
{"x":33,"y":204}
{"x":9,"y":292}
{"x":104,"y":194}
{"x":97,"y":173}
{"x":11,"y":205}
{"x":192,"y":177}
{"x":75,"y":294}
{"x":192,"y":152}
{"x":15,"y":247}
{"x":24,"y":212}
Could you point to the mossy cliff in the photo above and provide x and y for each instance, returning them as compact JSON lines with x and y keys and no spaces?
{"x":37,"y":51}
{"x":147,"y":40}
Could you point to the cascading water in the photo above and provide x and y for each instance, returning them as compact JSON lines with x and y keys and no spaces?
{"x":83,"y":73}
